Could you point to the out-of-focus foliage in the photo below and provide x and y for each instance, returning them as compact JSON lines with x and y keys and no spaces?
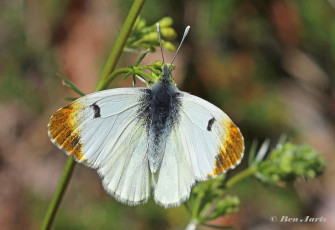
{"x":269,"y":64}
{"x":288,"y":162}
{"x":208,"y":202}
{"x":284,"y":165}
{"x":24,"y":57}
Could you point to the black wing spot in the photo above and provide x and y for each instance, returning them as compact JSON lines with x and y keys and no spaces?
{"x":96,"y":109}
{"x":75,"y":141}
{"x":210,"y":124}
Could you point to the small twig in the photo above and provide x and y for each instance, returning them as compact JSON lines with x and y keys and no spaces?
{"x":240,"y":176}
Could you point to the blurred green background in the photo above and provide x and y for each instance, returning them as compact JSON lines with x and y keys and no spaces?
{"x":269,"y":64}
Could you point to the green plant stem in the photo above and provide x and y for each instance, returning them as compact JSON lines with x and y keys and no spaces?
{"x":240,"y":176}
{"x":108,"y":68}
{"x":62,"y":185}
{"x":117,"y":72}
{"x":120,"y":41}
{"x":195,"y":208}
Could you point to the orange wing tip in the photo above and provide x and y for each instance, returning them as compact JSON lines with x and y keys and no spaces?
{"x":231,"y":153}
{"x":63,"y":133}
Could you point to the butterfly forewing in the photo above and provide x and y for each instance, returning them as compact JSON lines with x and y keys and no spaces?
{"x":82,"y":127}
{"x":204,"y":144}
{"x":103,"y":130}
{"x":215,"y":138}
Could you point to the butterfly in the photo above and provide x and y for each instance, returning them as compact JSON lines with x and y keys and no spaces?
{"x":156,"y":140}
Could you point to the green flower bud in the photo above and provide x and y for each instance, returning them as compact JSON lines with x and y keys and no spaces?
{"x":140,"y":24}
{"x":157,"y":65}
{"x":169,"y":33}
{"x":150,"y":37}
{"x":169,"y":46}
{"x":146,"y":37}
{"x":165,"y":22}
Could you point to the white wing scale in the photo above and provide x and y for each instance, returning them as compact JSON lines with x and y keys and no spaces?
{"x":113,"y":142}
{"x":196,"y":150}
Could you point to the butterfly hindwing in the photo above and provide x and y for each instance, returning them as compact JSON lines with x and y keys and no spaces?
{"x":125,"y":172}
{"x":175,"y":177}
{"x":203,"y":144}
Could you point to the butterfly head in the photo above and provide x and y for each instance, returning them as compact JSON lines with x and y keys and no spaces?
{"x":166,"y":74}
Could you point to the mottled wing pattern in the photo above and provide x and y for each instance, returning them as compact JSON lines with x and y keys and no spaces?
{"x":203,"y":144}
{"x":103,"y":131}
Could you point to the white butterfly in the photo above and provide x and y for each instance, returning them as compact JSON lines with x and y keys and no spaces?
{"x":148,"y":139}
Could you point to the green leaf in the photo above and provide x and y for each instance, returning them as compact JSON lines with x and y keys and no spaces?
{"x":69,"y":84}
{"x":252,"y":152}
{"x":225,"y":206}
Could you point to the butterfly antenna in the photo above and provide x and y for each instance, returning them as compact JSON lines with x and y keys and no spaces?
{"x":160,"y":40}
{"x":182,"y":40}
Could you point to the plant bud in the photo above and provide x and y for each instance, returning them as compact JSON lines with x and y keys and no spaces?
{"x":169,"y":33}
{"x":165,"y":22}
